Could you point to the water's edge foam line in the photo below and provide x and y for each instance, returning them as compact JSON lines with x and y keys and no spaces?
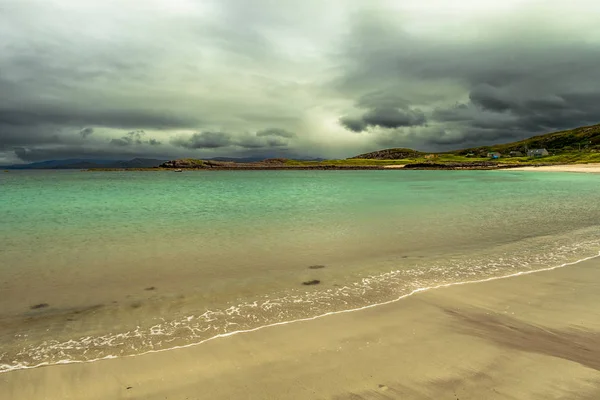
{"x":223,"y":335}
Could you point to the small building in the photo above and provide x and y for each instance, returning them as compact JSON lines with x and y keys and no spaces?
{"x":470,"y":155}
{"x":431,"y":156}
{"x":537,"y":153}
{"x":494,"y":155}
{"x":516,"y":154}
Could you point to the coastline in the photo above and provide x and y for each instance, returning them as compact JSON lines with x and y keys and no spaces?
{"x":584,"y":168}
{"x":484,"y":166}
{"x":460,"y":166}
{"x":525,"y":336}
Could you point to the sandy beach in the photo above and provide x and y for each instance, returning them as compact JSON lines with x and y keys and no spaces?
{"x":589,"y":168}
{"x":533,"y":336}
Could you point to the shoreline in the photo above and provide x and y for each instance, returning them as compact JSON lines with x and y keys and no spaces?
{"x":301,"y":320}
{"x":581,"y":168}
{"x":413,"y":167}
{"x":179,"y":359}
{"x":483,"y":166}
{"x":589,"y":168}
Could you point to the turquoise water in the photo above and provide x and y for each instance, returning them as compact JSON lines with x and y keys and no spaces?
{"x":129,"y":262}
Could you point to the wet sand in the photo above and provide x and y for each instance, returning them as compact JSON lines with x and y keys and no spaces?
{"x":533,"y":336}
{"x":590,"y":168}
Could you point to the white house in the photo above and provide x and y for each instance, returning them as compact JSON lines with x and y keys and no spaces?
{"x":537,"y":153}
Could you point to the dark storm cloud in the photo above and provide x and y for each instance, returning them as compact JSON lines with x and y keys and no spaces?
{"x":518,"y":83}
{"x":203,"y":140}
{"x":134,"y":138}
{"x":214,"y":140}
{"x":85,"y":132}
{"x":72,"y":115}
{"x":11,"y":136}
{"x":393,"y":117}
{"x":118,"y":74}
{"x":356,"y":124}
{"x":301,"y":77}
{"x":517,"y":113}
{"x":384,"y":110}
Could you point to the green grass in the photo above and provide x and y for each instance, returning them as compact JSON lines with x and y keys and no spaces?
{"x":194,"y":161}
{"x":585,"y":137}
{"x":567,"y":158}
{"x":563,"y":158}
{"x":349,"y":162}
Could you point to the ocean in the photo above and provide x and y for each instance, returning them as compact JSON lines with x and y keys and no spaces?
{"x":99,"y":265}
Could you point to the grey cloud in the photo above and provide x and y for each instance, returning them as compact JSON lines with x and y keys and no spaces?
{"x":16,"y":136}
{"x":276,"y":132}
{"x":134,"y":138}
{"x":67,"y":114}
{"x":515,"y":86}
{"x":384,"y":109}
{"x":384,"y":118}
{"x":121,"y":142}
{"x":382,"y":99}
{"x":286,"y":71}
{"x":203,"y":140}
{"x":85,"y":132}
{"x":393,"y":117}
{"x":355,"y":124}
{"x":258,"y":142}
{"x":491,"y":98}
{"x":214,"y":140}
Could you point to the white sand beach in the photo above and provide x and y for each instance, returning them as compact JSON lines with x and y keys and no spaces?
{"x":589,"y":168}
{"x":533,"y":336}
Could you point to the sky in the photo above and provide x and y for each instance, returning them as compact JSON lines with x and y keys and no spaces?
{"x":118,"y":79}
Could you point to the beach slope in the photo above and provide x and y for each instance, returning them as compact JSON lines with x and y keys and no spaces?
{"x":533,"y":336}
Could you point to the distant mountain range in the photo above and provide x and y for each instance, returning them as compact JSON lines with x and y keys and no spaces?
{"x":86,"y":164}
{"x":77,"y":163}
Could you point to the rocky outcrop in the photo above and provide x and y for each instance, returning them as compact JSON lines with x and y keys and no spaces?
{"x":470,"y":165}
{"x":182,"y":164}
{"x":196,"y":164}
{"x":391,"y":154}
{"x":268,"y":164}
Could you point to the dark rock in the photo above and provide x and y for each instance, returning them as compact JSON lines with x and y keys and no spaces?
{"x":390,"y":154}
{"x":458,"y":165}
{"x":38,"y":306}
{"x":312,"y":282}
{"x":151,"y":288}
{"x":316,"y":267}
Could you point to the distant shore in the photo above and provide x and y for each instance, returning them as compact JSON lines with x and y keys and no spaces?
{"x":337,"y":165}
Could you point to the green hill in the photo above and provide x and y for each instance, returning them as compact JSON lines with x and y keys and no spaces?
{"x":570,"y":146}
{"x":585,"y":138}
{"x":390,"y":154}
